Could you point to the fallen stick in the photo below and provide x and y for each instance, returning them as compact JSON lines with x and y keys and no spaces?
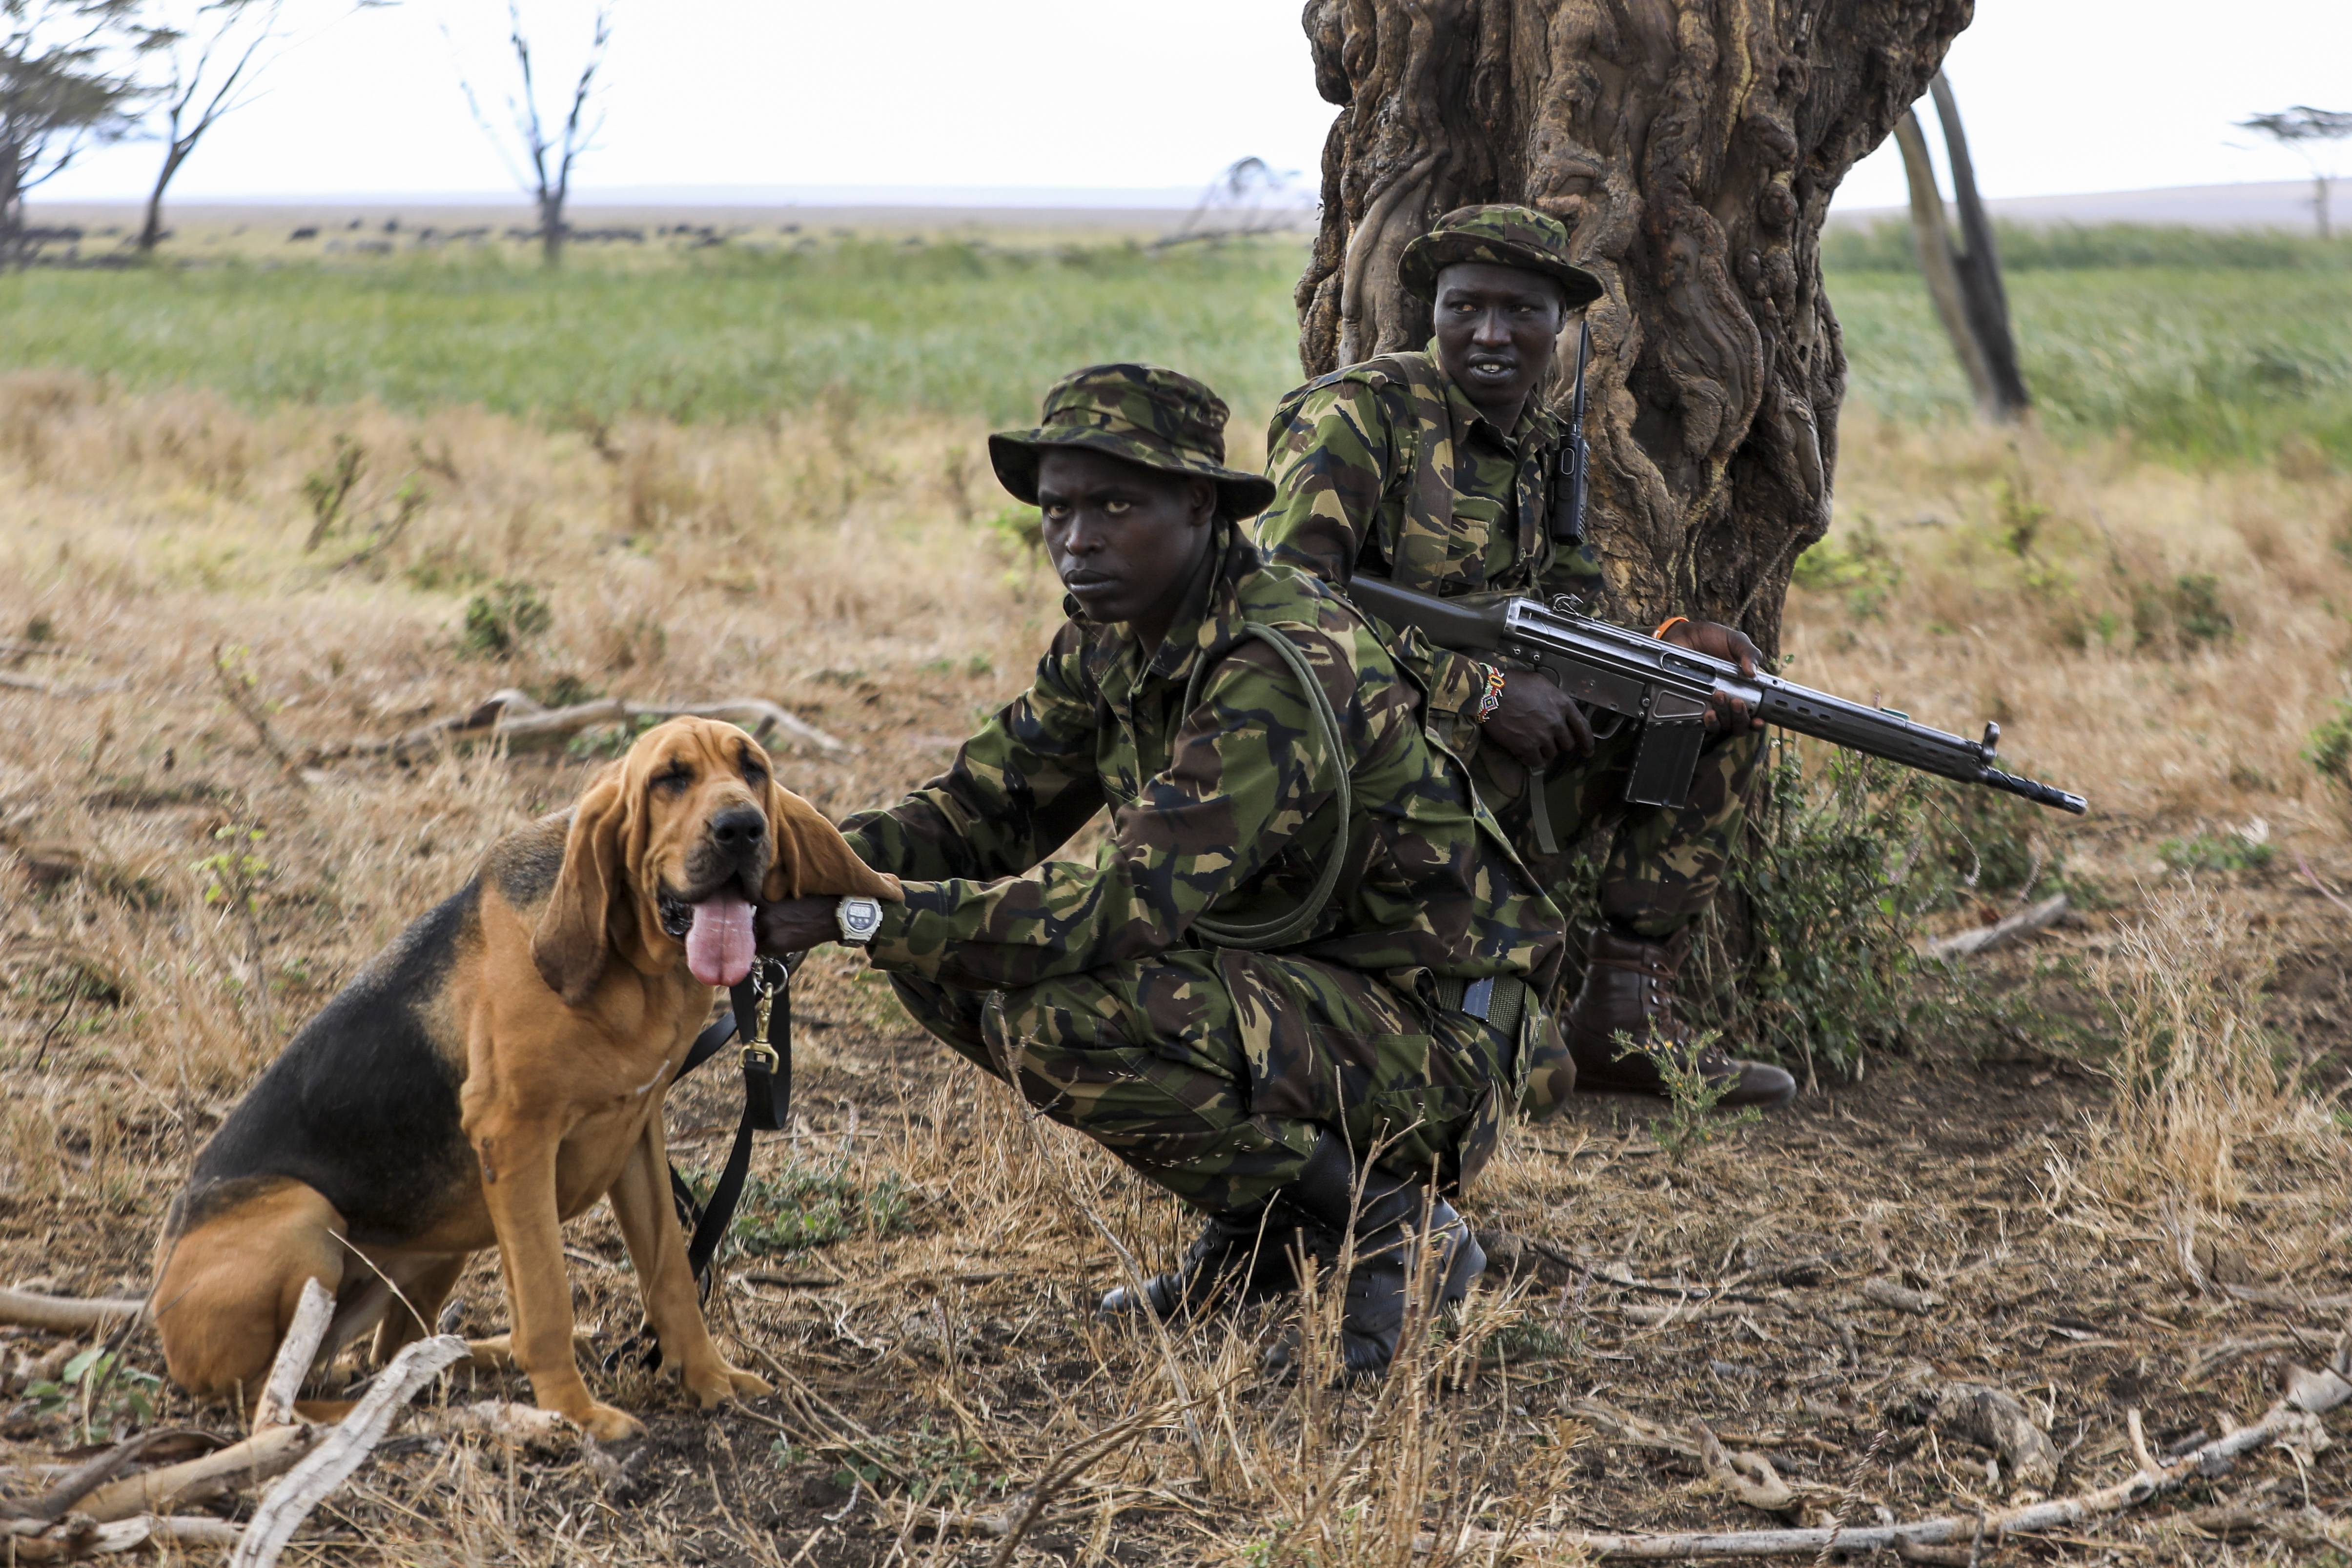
{"x":16,"y":682}
{"x":2303,"y":862}
{"x":524,"y":725}
{"x":80,"y":1536}
{"x":1882,"y":1292}
{"x":257,"y":1459}
{"x":2026,"y":921}
{"x":75,"y":1482}
{"x":295,"y":1353}
{"x":343,"y":1450}
{"x":279,"y":1441}
{"x":2296,"y":1415}
{"x":63,"y":1314}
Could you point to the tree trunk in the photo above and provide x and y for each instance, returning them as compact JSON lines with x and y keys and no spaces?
{"x":151,"y":233}
{"x":2319,"y":183}
{"x":1982,"y":296}
{"x":1931,"y":236}
{"x":550,"y":230}
{"x":1691,"y":147}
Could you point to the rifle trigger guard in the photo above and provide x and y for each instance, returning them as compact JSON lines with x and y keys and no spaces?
{"x":1594,"y":714}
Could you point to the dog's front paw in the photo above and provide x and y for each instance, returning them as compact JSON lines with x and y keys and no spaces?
{"x":607,"y":1425}
{"x":723,"y":1382}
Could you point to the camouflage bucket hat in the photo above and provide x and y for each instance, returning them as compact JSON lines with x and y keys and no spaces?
{"x":1504,"y":235}
{"x":1144,"y":414}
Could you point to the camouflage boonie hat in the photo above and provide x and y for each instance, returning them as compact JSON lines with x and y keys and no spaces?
{"x":1147,"y":414}
{"x":1504,"y":235}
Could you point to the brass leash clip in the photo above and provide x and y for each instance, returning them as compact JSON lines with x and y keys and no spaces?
{"x":756,"y":1049}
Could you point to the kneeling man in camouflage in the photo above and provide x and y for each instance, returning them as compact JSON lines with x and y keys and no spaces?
{"x":1295,"y":984}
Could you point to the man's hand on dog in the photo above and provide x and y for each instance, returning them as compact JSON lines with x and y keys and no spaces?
{"x":796,"y":924}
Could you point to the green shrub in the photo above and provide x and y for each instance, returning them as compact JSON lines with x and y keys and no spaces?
{"x":1811,"y":959}
{"x":805,"y":1206}
{"x":1862,"y":568}
{"x":499,"y":622}
{"x":2330,"y":750}
{"x":2216,"y":853}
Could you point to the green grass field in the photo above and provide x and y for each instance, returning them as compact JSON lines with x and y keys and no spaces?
{"x":2203,"y":352}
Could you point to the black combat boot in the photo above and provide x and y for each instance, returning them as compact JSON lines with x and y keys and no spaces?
{"x":1629,"y":987}
{"x":1245,"y":1254}
{"x":1408,"y":1240}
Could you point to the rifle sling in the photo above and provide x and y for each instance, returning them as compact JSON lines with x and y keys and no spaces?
{"x":1263,"y":934}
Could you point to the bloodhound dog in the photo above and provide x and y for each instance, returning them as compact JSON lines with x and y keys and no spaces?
{"x":494,"y":1072}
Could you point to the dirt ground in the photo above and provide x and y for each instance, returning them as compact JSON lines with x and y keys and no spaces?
{"x":2169,"y":1257}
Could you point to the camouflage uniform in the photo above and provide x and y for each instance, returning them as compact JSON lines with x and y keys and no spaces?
{"x":1388,"y":468}
{"x":1214,"y":1069}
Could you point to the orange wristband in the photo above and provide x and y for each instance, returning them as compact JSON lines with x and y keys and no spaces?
{"x":1669,"y":623}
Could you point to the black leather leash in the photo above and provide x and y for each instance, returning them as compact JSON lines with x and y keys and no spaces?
{"x":760,"y":1015}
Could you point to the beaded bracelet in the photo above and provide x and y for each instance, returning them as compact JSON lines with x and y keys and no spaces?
{"x":1491,"y":698}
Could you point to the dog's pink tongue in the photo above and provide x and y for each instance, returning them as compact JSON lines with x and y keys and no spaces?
{"x":718,"y":943}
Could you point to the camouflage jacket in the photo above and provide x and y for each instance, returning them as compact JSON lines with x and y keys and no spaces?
{"x":1224,"y":810}
{"x":1347,"y":454}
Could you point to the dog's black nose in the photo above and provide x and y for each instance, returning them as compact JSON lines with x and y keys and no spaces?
{"x":739,"y":829}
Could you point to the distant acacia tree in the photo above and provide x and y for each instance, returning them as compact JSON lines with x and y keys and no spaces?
{"x":1963,"y":281}
{"x":209,"y":66}
{"x":68,"y":83}
{"x":550,"y":148}
{"x":2305,"y":129}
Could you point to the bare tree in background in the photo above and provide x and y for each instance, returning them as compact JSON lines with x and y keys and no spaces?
{"x":212,"y":63}
{"x":1963,"y":281}
{"x":67,"y":84}
{"x":550,"y":153}
{"x":1250,"y":198}
{"x":1691,"y":147}
{"x":2305,"y":129}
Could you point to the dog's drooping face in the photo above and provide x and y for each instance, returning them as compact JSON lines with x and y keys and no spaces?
{"x":671,"y":846}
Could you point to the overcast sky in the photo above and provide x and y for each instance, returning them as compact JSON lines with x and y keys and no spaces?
{"x":2060,"y":96}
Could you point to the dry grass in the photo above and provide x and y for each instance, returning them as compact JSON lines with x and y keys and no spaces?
{"x":936,"y":1370}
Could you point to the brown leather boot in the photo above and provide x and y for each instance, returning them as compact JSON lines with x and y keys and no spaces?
{"x":1628,"y":985}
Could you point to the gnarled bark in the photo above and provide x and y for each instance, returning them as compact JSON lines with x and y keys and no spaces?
{"x":1691,"y":147}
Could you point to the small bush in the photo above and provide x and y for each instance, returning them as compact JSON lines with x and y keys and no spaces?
{"x":2197,"y":611}
{"x":2330,"y":750}
{"x":565,"y":690}
{"x":1862,"y":569}
{"x":803,"y":1207}
{"x":611,"y":740}
{"x":2216,"y":853}
{"x":499,"y":622}
{"x":1019,"y":530}
{"x":1838,"y":868}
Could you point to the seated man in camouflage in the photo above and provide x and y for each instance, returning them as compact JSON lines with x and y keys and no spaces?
{"x":1302,"y":941}
{"x":1440,"y":470}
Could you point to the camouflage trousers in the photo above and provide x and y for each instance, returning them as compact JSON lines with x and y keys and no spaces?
{"x":1213,"y":1073}
{"x":1664,"y":864}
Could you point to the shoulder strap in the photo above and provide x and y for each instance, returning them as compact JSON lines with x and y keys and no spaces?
{"x":1288,"y":928}
{"x":1428,"y":493}
{"x":1430,"y":500}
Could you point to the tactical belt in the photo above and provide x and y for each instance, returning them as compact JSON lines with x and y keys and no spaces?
{"x":761,"y":1015}
{"x":1498,"y":999}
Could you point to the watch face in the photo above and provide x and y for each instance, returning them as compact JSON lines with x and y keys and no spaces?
{"x":860,"y":917}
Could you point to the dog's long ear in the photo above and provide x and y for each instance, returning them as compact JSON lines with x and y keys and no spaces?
{"x":576,"y":931}
{"x":812,"y":857}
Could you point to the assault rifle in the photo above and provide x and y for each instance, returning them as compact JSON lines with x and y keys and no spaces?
{"x":1664,"y":689}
